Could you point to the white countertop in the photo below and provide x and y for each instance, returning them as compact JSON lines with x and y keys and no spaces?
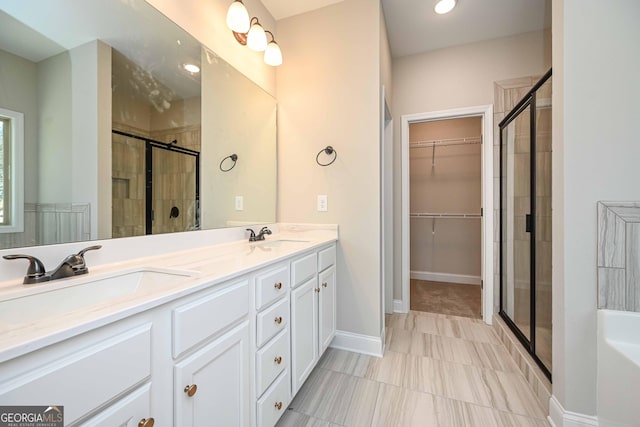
{"x":203,"y":267}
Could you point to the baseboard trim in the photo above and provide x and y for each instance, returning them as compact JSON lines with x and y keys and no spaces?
{"x":365,"y":344}
{"x":398,"y":306}
{"x":445,"y":277}
{"x":559,"y":417}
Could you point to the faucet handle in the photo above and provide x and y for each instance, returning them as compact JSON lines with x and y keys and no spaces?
{"x":90,"y":248}
{"x":265,"y":230}
{"x":36,"y":267}
{"x":252,"y":237}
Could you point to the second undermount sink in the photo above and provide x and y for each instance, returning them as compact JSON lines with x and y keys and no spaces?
{"x":83,"y":292}
{"x":281,"y":242}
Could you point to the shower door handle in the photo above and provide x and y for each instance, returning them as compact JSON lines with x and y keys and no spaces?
{"x":528,"y":223}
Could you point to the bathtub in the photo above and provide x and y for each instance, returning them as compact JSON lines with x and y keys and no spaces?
{"x":618,"y":368}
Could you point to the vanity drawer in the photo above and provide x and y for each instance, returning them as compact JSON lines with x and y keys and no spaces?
{"x":271,"y":321}
{"x":274,"y":402}
{"x":128,"y":411}
{"x":326,"y":258}
{"x":302,"y":269}
{"x":86,"y":379}
{"x":271,"y":285}
{"x":271,"y":360}
{"x":207,"y":315}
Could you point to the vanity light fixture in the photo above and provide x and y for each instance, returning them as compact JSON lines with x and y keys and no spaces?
{"x":238,"y":17}
{"x":444,"y":6}
{"x":272,"y":54}
{"x":252,"y":34}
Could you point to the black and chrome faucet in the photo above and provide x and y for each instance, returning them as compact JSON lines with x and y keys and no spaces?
{"x":72,"y":265}
{"x":260,"y":236}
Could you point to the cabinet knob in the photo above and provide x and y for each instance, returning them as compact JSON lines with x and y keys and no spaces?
{"x":191,"y":390}
{"x":317,"y":290}
{"x":278,"y":285}
{"x":278,"y":405}
{"x":146,"y":422}
{"x":324,"y":284}
{"x":278,"y":320}
{"x":278,"y":360}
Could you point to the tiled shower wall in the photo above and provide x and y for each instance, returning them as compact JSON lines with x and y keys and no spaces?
{"x":619,"y":256}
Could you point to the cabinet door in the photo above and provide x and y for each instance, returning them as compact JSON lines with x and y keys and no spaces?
{"x":304,"y":332}
{"x":327,"y":308}
{"x":220,"y":371}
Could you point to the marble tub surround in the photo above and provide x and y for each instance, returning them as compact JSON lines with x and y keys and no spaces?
{"x":203,"y":267}
{"x":437,"y":370}
{"x":619,"y":256}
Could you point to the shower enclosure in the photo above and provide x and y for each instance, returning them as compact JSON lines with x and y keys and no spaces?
{"x":525,"y":224}
{"x":155,"y":186}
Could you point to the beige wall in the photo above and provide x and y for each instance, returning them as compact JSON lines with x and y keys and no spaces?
{"x":329,"y":94}
{"x":595,"y":157}
{"x":448,"y":183}
{"x":18,"y":93}
{"x":206,"y":21}
{"x":458,"y":77}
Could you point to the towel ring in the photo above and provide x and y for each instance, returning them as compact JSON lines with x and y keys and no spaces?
{"x":329,"y":150}
{"x":234,"y":159}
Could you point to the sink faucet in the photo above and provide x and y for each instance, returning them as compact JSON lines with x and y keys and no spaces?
{"x":260,"y":236}
{"x":72,"y":265}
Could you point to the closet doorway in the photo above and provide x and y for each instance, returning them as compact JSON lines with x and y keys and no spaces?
{"x":447,"y":220}
{"x":445,"y":189}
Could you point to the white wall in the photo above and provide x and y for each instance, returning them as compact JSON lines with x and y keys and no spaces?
{"x":596,"y":155}
{"x":329,"y":94}
{"x":206,"y":21}
{"x":458,"y":77}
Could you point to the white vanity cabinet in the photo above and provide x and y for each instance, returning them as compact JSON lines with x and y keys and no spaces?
{"x":212,"y":384}
{"x":229,"y":354}
{"x":273,"y":354}
{"x":313,"y":312}
{"x":104,"y":374}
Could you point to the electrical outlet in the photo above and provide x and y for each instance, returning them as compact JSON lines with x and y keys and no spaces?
{"x":239,"y":203}
{"x":322,"y":203}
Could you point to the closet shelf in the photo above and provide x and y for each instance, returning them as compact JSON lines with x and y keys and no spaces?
{"x":444,"y":215}
{"x":445,"y":142}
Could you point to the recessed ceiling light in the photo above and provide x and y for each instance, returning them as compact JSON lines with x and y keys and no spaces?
{"x":444,"y":6}
{"x":192,"y":68}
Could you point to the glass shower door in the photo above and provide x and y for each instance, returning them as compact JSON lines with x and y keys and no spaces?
{"x":516,"y":220}
{"x":525,"y":222}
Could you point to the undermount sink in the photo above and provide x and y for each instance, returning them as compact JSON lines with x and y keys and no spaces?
{"x":83,"y":292}
{"x":280,"y":242}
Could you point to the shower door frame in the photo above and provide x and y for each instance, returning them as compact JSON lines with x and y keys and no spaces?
{"x":528,"y":101}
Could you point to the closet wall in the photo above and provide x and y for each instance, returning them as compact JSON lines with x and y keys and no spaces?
{"x":445,"y":180}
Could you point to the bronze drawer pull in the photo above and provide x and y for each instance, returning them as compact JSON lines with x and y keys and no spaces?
{"x":278,"y":285}
{"x":278,"y":320}
{"x":324,"y":284}
{"x":278,"y":405}
{"x":146,"y":422}
{"x":278,"y":360}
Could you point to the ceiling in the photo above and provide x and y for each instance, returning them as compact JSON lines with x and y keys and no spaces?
{"x":413,"y":27}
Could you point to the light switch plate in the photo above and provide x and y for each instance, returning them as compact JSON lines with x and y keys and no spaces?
{"x":239,"y":203}
{"x":322,"y":203}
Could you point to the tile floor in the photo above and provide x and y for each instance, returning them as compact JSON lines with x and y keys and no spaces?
{"x":438,"y":370}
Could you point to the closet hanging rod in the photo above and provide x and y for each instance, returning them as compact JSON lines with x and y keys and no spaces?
{"x":444,"y":215}
{"x":445,"y":142}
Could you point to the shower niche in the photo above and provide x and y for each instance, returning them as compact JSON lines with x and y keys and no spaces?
{"x":525,"y":221}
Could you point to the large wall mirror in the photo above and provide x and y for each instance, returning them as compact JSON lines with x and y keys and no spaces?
{"x":115,"y":122}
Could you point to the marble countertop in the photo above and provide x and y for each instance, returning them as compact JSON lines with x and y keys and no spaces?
{"x":193,"y":271}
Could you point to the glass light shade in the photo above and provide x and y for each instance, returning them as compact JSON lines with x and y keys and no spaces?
{"x":273,"y":54}
{"x":444,"y":6}
{"x":257,"y":38}
{"x":238,"y":17}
